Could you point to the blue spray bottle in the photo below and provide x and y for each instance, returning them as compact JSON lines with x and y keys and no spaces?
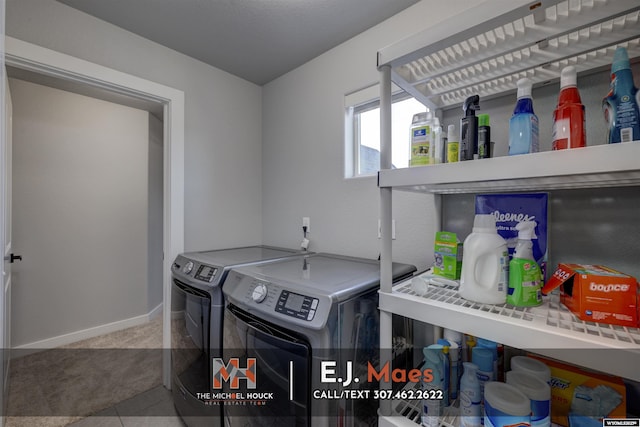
{"x":523,"y":125}
{"x":620,"y":106}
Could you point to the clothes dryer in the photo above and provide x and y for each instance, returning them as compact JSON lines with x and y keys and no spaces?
{"x":283,"y":322}
{"x":197,"y":312}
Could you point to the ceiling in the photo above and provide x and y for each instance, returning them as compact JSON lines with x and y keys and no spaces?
{"x":258,"y":40}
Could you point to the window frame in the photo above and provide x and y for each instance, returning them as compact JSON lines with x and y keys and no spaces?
{"x":356,"y":103}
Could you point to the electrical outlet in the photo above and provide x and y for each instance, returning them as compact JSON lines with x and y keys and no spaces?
{"x":306,"y":222}
{"x":393,"y":229}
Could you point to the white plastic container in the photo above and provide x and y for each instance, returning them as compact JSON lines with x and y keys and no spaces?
{"x":470,"y":397}
{"x":531,"y":366}
{"x":433,"y":409}
{"x":421,"y":139}
{"x":538,"y":392}
{"x":505,"y":405}
{"x":485,"y":263}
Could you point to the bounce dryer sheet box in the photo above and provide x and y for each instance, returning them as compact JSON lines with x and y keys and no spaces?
{"x":509,"y":210}
{"x":596,"y":293}
{"x":448,"y":255}
{"x":576,"y":392}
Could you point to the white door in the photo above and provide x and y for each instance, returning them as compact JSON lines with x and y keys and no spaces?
{"x":5,"y":295}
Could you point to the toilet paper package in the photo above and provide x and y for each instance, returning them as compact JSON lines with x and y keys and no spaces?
{"x":577,"y":392}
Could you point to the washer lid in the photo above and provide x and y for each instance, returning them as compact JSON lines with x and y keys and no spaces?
{"x":238,"y":256}
{"x":338,"y":277}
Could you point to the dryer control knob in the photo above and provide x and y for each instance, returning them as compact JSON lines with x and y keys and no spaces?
{"x":259,"y":293}
{"x":187,"y":267}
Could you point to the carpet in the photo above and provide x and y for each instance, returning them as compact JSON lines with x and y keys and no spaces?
{"x":53,"y":388}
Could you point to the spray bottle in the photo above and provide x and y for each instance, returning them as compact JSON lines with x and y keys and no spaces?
{"x":469,"y":128}
{"x":523,"y":125}
{"x":620,"y":106}
{"x":453,"y":352}
{"x":525,"y":277}
{"x":433,"y":409}
{"x":453,"y":145}
{"x":568,"y":118}
{"x":484,"y":137}
{"x":470,"y":397}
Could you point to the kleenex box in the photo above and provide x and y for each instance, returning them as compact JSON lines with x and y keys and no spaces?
{"x":448,"y":255}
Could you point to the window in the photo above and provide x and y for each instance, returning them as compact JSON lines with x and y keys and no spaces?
{"x":362,"y":133}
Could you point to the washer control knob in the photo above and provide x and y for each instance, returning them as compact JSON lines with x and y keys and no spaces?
{"x":187,"y":267}
{"x":259,"y":293}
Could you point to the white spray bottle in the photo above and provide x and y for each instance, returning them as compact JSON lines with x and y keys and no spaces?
{"x":470,"y":396}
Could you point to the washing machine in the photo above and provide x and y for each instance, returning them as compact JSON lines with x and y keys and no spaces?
{"x":197,"y":312}
{"x":289,"y":326}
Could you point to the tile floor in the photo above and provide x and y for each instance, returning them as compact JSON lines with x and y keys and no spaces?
{"x":144,"y":410}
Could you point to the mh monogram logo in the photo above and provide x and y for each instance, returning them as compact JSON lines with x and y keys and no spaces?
{"x":232,"y":373}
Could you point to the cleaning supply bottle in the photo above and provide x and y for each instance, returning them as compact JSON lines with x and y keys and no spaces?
{"x":453,"y":352}
{"x":484,"y":137}
{"x":453,"y":145}
{"x":525,"y":277}
{"x":421,"y":139}
{"x":436,"y":146}
{"x":568,"y":117}
{"x":433,"y":409}
{"x":470,"y":397}
{"x":523,"y":125}
{"x":497,"y":353}
{"x":469,"y":128}
{"x":467,"y":347}
{"x":483,"y":359}
{"x":485,"y":263}
{"x":620,"y":106}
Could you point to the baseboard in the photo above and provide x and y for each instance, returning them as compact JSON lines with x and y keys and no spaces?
{"x":84,"y":334}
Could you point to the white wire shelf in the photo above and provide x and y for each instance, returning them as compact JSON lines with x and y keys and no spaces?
{"x":550,"y":329}
{"x":608,"y":165}
{"x":534,"y":40}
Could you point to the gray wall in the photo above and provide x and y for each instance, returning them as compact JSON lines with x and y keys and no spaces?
{"x":80,"y":212}
{"x":303,"y":137}
{"x":223,"y":152}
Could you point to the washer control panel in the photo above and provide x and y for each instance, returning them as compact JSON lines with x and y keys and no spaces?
{"x":296,"y":305}
{"x":206,"y":273}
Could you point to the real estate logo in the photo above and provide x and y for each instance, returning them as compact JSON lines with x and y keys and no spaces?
{"x":233,"y":373}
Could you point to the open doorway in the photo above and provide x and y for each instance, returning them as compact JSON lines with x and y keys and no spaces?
{"x":87,"y":213}
{"x":29,"y":57}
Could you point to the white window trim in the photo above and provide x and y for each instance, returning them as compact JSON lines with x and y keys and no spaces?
{"x":356,"y":102}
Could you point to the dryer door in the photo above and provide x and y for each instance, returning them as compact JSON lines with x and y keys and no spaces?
{"x":190,"y":311}
{"x":281,"y":385}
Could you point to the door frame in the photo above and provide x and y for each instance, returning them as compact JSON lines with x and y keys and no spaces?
{"x":31,"y":57}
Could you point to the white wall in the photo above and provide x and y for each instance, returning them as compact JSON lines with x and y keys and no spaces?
{"x":223,"y":153}
{"x":303,"y":127}
{"x":154,"y":226}
{"x":80,"y":212}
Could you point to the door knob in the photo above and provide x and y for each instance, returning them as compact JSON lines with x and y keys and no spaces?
{"x":12,"y":258}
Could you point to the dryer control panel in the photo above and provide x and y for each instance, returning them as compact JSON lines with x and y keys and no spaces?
{"x":284,"y":304}
{"x":297,"y":305}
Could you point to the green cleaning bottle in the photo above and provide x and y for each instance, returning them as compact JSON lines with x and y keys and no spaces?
{"x":525,"y":277}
